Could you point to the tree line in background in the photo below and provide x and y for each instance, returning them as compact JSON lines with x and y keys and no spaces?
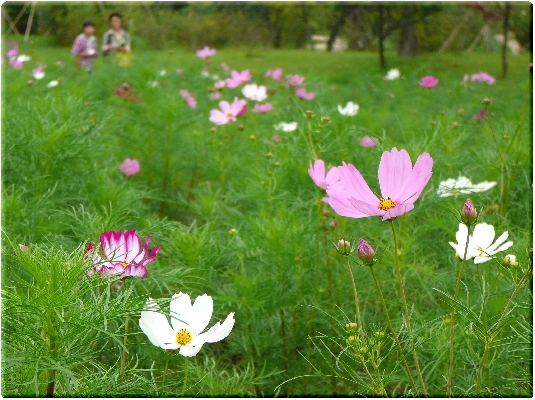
{"x":409,"y":28}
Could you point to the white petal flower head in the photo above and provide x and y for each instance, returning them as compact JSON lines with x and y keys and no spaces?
{"x":480,"y":246}
{"x":255,"y":92}
{"x":23,"y":58}
{"x":462,"y":185}
{"x":39,"y":75}
{"x":52,"y":83}
{"x":185,"y":333}
{"x":286,"y":127}
{"x":392,"y":74}
{"x":351,"y":109}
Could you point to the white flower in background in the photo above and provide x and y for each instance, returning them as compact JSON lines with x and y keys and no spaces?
{"x":255,"y":92}
{"x":462,"y":185}
{"x":52,"y":83}
{"x":23,"y":58}
{"x":153,"y":83}
{"x":187,"y":323}
{"x":480,"y":246}
{"x":351,"y":109}
{"x":286,"y":127}
{"x":162,"y":72}
{"x":392,"y":74}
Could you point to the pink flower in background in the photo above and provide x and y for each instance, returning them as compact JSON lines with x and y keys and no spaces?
{"x":225,"y":66}
{"x":229,"y":111}
{"x":214,"y":95}
{"x":483,"y":77}
{"x":12,"y":54}
{"x":401,"y":184}
{"x":23,"y":247}
{"x":205,"y":72}
{"x":479,"y":116}
{"x":275,"y":74}
{"x":38,"y":73}
{"x":130,"y":167}
{"x":220,"y":84}
{"x":367,"y":141}
{"x":243,"y":110}
{"x":262,"y":108}
{"x":123,"y":255}
{"x":276,"y":138}
{"x":205,"y":52}
{"x":126,"y":92}
{"x":16,"y":64}
{"x":295,"y":80}
{"x":303,"y":94}
{"x":255,"y":92}
{"x":192,"y":103}
{"x":238,"y":78}
{"x":428,"y":81}
{"x":317,"y":173}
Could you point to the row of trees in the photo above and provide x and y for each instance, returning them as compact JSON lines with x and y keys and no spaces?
{"x":411,"y":28}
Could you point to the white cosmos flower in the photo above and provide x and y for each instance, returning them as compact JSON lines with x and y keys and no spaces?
{"x":52,"y":83}
{"x":462,"y":185}
{"x":286,"y":127}
{"x":392,"y":74}
{"x":187,"y":323}
{"x":23,"y":58}
{"x":39,"y":75}
{"x":480,"y":246}
{"x":255,"y":92}
{"x":153,"y":83}
{"x":351,"y":109}
{"x":162,"y":72}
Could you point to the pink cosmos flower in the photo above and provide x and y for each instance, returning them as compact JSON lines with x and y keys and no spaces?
{"x":367,"y":141}
{"x":317,"y":173}
{"x":295,"y":80}
{"x":16,"y":64}
{"x":126,"y":92}
{"x":275,"y":74}
{"x":303,"y":94}
{"x":428,"y":81}
{"x":483,"y":77}
{"x":401,"y":184}
{"x":23,"y":247}
{"x":238,"y":78}
{"x":220,"y":84}
{"x":205,"y":52}
{"x":12,"y":54}
{"x":479,"y":116}
{"x":123,"y":255}
{"x":225,"y":66}
{"x":190,"y":100}
{"x":262,"y":108}
{"x":214,"y":95}
{"x":229,"y":112}
{"x":130,"y":167}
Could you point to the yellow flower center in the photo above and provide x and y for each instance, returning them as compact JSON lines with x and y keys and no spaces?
{"x":481,"y":250}
{"x":183,"y":337}
{"x":386,"y":204}
{"x":229,"y":114}
{"x":124,"y":264}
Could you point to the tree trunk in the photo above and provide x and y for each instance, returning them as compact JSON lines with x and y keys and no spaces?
{"x":505,"y":32}
{"x":336,"y":28}
{"x":407,"y":39}
{"x":380,"y":35}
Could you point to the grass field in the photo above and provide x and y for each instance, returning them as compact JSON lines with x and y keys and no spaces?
{"x":238,"y":217}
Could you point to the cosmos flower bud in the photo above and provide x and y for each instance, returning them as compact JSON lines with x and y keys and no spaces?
{"x":344,"y":246}
{"x":365,"y":252}
{"x":510,"y":260}
{"x":469,"y":213}
{"x":486,"y":100}
{"x":309,"y":113}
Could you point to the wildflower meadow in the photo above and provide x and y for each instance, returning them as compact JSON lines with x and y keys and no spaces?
{"x":256,"y":222}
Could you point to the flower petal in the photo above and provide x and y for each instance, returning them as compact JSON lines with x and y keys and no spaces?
{"x":192,"y":348}
{"x":418,"y":178}
{"x":395,"y":169}
{"x":202,"y":310}
{"x":181,"y":312}
{"x":355,"y":185}
{"x":483,"y":235}
{"x":155,"y":325}
{"x":220,"y":331}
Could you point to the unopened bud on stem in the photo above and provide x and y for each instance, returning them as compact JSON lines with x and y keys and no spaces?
{"x":365,"y":252}
{"x":469,"y":213}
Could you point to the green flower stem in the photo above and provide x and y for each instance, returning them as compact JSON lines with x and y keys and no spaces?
{"x":125,"y":340}
{"x":186,"y":360}
{"x":406,"y":309}
{"x":452,"y":316}
{"x":398,"y":344}
{"x":490,"y":340}
{"x":355,"y":294}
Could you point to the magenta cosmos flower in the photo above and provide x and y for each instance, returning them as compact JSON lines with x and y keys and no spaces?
{"x":428,"y":81}
{"x":295,"y":80}
{"x":367,"y":141}
{"x":304,"y":95}
{"x":123,"y":255}
{"x":205,"y":52}
{"x":317,"y":173}
{"x":401,"y":184}
{"x":262,"y":108}
{"x":275,"y":74}
{"x":229,"y":111}
{"x":130,"y":167}
{"x":238,"y":78}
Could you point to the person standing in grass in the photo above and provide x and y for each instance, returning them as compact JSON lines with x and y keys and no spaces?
{"x":85,"y":47}
{"x":116,"y":40}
